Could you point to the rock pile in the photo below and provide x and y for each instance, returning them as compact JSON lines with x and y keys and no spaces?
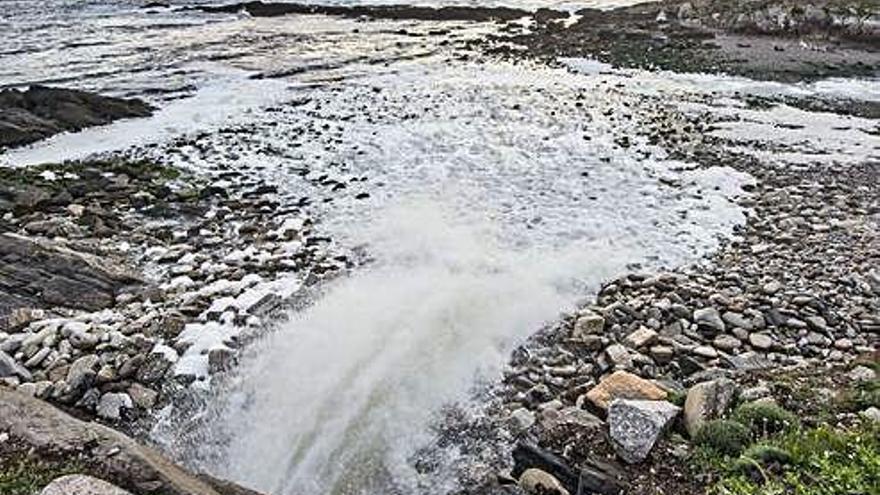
{"x":205,"y":262}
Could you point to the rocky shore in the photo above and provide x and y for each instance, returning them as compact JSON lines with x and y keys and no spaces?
{"x":645,"y":389}
{"x":795,"y":297}
{"x":763,"y":40}
{"x":125,"y":282}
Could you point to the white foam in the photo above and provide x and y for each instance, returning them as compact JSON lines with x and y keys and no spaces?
{"x":220,"y":103}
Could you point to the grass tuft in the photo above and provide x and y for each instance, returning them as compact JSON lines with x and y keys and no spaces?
{"x":723,"y":436}
{"x":764,"y":419}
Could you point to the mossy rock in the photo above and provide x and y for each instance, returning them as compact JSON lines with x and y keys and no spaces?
{"x":723,"y":436}
{"x":765,"y":418}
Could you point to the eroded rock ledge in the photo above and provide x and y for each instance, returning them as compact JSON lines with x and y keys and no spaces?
{"x":40,"y":112}
{"x":32,"y":427}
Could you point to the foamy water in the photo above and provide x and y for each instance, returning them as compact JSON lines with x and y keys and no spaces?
{"x":499,"y":194}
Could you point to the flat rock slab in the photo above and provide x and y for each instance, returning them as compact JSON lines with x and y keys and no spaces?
{"x":106,"y":453}
{"x":80,"y":484}
{"x":40,"y":112}
{"x":39,"y":274}
{"x":623,"y":385}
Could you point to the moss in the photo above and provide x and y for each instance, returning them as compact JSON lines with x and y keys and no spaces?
{"x":24,"y":475}
{"x":765,"y":418}
{"x":723,"y":436}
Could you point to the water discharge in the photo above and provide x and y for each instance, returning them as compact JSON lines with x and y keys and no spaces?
{"x":329,"y":400}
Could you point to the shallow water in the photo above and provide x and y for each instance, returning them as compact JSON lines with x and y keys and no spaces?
{"x":499,"y":194}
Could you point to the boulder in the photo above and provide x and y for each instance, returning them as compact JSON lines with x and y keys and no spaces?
{"x":636,"y":425}
{"x":707,"y":401}
{"x":623,"y":385}
{"x":80,"y":484}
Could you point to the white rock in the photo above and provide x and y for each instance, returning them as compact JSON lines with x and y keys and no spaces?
{"x":111,"y":405}
{"x":80,"y":484}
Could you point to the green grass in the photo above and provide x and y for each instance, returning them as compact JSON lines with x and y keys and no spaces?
{"x":764,"y":418}
{"x":817,"y":461}
{"x":723,"y":437}
{"x":821,"y":450}
{"x":20,"y":475}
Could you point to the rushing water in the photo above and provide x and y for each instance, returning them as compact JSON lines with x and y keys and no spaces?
{"x":495,"y":201}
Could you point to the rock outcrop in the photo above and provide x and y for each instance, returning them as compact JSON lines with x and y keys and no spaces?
{"x":105,"y":453}
{"x":36,"y":274}
{"x":40,"y":112}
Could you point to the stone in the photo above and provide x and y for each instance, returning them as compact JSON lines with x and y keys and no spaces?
{"x":640,"y":338}
{"x":80,"y":484}
{"x":707,"y":401}
{"x":536,"y":482}
{"x":872,"y":413}
{"x":522,"y":419}
{"x":771,"y":287}
{"x":111,"y":405}
{"x":662,"y":353}
{"x":594,"y":476}
{"x":736,"y":320}
{"x":635,"y":426}
{"x":575,"y":416}
{"x":623,"y":385}
{"x":220,"y":359}
{"x":142,"y":396}
{"x":618,"y":356}
{"x":81,"y":374}
{"x":862,"y":374}
{"x":843,"y":344}
{"x":761,"y":341}
{"x":817,"y":323}
{"x":727,"y":343}
{"x":41,"y":111}
{"x":9,"y":367}
{"x":705,"y":351}
{"x":40,"y":273}
{"x":588,"y":323}
{"x":709,"y":318}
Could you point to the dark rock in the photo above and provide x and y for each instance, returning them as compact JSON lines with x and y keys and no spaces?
{"x":36,"y":273}
{"x":40,"y":112}
{"x":598,"y":477}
